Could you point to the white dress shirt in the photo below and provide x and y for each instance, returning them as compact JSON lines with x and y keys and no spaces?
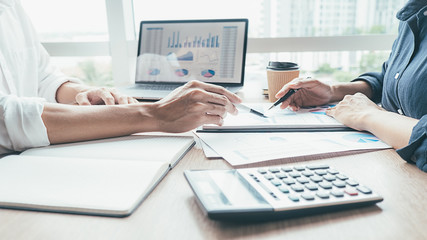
{"x":27,"y":80}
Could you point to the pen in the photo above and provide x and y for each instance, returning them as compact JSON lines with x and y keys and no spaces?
{"x":251,"y":110}
{"x":282,"y":99}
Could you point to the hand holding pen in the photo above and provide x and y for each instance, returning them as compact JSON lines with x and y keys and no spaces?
{"x":284,"y":98}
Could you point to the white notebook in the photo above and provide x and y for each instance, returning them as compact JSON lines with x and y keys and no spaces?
{"x":109,"y":177}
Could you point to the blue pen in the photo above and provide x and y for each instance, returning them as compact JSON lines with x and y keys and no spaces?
{"x":282,"y":99}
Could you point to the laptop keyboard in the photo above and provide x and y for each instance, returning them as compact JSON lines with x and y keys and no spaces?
{"x":166,"y":87}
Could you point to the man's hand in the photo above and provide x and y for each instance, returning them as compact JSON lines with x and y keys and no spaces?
{"x":75,"y":93}
{"x":194,"y":104}
{"x":103,"y":96}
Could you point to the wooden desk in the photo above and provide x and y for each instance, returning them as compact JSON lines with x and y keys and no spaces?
{"x":171,"y":211}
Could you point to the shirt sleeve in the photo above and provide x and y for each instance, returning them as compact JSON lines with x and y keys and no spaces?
{"x":21,"y":125}
{"x":375,"y":80}
{"x":416,"y":151}
{"x":50,"y":77}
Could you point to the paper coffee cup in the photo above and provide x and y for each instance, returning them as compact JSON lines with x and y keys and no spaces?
{"x":279,"y":74}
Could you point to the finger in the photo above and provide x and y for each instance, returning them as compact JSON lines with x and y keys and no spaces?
{"x":219,"y":90}
{"x":330,"y":111}
{"x":118,"y":98}
{"x":214,"y":109}
{"x":199,"y":95}
{"x":132,"y":100}
{"x":283,"y":91}
{"x":223,"y":101}
{"x":106,"y":97}
{"x":82,"y":99}
{"x":294,"y":84}
{"x":213,"y":119}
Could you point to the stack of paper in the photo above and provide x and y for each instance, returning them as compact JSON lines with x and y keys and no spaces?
{"x":248,"y":138}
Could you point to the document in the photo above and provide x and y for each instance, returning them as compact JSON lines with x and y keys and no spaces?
{"x":246,"y":148}
{"x":108,"y":177}
{"x":278,"y":120}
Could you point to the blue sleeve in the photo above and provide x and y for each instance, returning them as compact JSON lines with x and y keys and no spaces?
{"x":375,"y":80}
{"x":417,"y":147}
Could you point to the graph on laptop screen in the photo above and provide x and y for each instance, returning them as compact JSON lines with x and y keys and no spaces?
{"x":178,"y":51}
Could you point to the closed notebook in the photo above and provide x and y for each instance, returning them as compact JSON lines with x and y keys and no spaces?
{"x":109,"y":177}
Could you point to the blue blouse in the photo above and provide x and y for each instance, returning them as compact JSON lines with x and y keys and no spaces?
{"x":401,"y":87}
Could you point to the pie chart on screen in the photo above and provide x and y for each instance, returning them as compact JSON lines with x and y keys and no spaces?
{"x":208,"y":73}
{"x":360,"y":138}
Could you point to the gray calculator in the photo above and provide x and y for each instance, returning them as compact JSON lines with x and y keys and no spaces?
{"x":276,"y":192}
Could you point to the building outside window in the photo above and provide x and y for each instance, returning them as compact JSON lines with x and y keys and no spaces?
{"x":86,"y":24}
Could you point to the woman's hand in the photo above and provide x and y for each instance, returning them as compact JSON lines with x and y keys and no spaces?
{"x":194,"y":104}
{"x":354,"y":110}
{"x":311,"y":92}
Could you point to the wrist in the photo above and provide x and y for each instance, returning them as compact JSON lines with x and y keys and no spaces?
{"x":368,"y":119}
{"x":145,"y":117}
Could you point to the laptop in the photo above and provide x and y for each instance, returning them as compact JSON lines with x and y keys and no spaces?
{"x":172,"y":53}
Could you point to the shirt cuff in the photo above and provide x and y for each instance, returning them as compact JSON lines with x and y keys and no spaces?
{"x":374,"y":83}
{"x":49,"y":93}
{"x":416,"y":151}
{"x":23,"y":123}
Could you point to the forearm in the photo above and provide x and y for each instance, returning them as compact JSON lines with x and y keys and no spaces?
{"x":392,"y":128}
{"x":67,"y":123}
{"x":339,"y":90}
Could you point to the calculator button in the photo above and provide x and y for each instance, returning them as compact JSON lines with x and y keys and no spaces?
{"x":269,"y":176}
{"x":337,"y":193}
{"x":294,"y":174}
{"x":307,"y":196}
{"x":351,"y":191}
{"x":329,"y":177}
{"x":297,"y":188}
{"x":333,"y":171}
{"x":289,"y":181}
{"x":299,"y":168}
{"x":274,"y":170}
{"x":302,"y":180}
{"x":281,"y":175}
{"x":325,"y":185}
{"x":322,"y":194}
{"x":294,"y":197}
{"x":339,"y":183}
{"x":262,"y":171}
{"x":276,"y":182}
{"x":307,"y":173}
{"x":320,"y":166}
{"x":316,"y":178}
{"x":364,"y":190}
{"x":311,"y":186}
{"x":287,"y":169}
{"x":341,"y":176}
{"x":320,"y":172}
{"x":283,"y":189}
{"x":352,"y":182}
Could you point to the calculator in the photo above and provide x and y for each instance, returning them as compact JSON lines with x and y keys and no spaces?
{"x":276,"y":192}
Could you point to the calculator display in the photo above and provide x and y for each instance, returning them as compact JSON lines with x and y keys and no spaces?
{"x":235,"y":189}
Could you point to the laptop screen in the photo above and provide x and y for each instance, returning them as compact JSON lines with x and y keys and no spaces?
{"x":179,"y":51}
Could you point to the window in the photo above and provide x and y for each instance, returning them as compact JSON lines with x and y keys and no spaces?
{"x":320,"y":35}
{"x":69,"y":21}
